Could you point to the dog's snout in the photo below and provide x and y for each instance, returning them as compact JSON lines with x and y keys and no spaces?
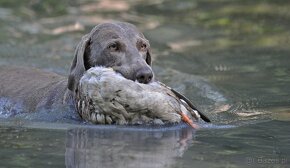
{"x":144,"y":75}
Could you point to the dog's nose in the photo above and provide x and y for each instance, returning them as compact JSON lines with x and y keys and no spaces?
{"x":144,"y":76}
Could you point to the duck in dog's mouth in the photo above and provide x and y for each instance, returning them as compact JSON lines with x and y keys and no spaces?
{"x":106,"y":97}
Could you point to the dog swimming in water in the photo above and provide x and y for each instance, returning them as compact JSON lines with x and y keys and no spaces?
{"x":125,"y":56}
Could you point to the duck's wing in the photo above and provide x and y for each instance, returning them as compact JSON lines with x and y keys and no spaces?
{"x":182,"y":97}
{"x":190,"y":104}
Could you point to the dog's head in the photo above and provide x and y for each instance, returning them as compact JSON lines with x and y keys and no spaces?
{"x":117,"y":45}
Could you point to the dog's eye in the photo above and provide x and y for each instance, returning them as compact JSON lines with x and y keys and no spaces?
{"x":143,"y":47}
{"x":113,"y":47}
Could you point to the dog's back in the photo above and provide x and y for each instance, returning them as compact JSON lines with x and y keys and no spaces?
{"x":33,"y":87}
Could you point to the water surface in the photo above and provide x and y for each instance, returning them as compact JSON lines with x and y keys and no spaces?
{"x":231,"y":58}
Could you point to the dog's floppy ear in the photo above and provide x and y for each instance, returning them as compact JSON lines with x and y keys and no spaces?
{"x":78,"y":65}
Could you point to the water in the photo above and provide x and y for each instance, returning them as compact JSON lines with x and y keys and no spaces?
{"x":230,"y":57}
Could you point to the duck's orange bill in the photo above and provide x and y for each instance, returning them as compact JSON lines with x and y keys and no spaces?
{"x":187,"y":120}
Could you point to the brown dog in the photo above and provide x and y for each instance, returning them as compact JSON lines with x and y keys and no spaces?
{"x":117,"y":45}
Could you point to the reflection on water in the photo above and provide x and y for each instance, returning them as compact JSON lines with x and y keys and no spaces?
{"x":253,"y":145}
{"x":125,"y":148}
{"x":22,"y":147}
{"x":231,"y":58}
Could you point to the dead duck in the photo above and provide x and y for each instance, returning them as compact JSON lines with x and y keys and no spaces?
{"x":106,"y":97}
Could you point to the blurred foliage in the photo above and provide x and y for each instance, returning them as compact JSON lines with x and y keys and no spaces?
{"x":262,"y":22}
{"x":237,"y":22}
{"x":27,"y":8}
